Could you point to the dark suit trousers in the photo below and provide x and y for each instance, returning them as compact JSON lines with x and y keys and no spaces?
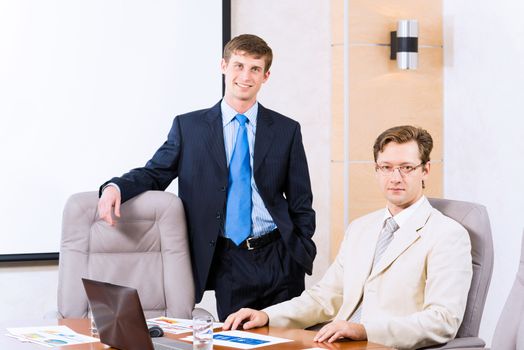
{"x":253,"y":278}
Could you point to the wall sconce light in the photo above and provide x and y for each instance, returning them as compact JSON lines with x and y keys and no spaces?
{"x":404,"y":44}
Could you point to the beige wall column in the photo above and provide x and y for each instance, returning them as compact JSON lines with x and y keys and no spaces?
{"x":380,"y":96}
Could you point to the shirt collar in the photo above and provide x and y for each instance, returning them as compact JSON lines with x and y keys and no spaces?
{"x":229,"y":113}
{"x":402,"y":217}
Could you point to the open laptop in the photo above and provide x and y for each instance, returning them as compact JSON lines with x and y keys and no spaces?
{"x":120,"y":319}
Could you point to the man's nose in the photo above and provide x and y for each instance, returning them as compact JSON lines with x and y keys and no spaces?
{"x":396,"y":175}
{"x":245,"y":74}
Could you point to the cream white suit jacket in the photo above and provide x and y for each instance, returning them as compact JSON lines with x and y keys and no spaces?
{"x":416,"y":295}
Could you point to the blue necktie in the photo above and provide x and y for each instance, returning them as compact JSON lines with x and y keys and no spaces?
{"x":238,"y":208}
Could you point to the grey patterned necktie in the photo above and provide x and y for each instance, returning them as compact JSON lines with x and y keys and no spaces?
{"x":384,"y":239}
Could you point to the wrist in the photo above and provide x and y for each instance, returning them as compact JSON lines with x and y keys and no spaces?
{"x":361,"y":331}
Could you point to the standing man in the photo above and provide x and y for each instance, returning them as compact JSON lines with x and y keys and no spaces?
{"x":244,"y":182}
{"x":402,"y":275}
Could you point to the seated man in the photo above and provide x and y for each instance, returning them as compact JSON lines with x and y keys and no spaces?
{"x":402,"y":275}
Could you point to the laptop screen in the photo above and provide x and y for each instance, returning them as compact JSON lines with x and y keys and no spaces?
{"x":118,"y":315}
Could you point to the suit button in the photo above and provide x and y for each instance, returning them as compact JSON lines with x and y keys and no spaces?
{"x":212,"y":243}
{"x":223,"y":188}
{"x":219,"y":215}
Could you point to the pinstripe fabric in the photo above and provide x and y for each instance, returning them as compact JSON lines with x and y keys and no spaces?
{"x":384,"y":239}
{"x":195,"y":154}
{"x":262,"y":222}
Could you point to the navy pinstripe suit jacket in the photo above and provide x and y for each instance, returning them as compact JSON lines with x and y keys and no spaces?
{"x":194,"y":152}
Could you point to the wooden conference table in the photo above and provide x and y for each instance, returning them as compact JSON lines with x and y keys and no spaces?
{"x":302,"y":339}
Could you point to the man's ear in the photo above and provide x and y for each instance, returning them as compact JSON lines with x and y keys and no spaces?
{"x":425,"y":171}
{"x":266,"y":75}
{"x":223,"y":66}
{"x":427,"y":167}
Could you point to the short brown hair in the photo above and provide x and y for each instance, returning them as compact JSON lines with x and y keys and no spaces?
{"x":404,"y":134}
{"x":251,"y":45}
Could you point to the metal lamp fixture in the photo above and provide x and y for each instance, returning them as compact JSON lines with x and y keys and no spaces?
{"x":404,"y":44}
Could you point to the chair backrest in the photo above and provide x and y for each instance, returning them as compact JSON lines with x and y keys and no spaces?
{"x":474,"y":218}
{"x":509,"y":333}
{"x":147,"y":249}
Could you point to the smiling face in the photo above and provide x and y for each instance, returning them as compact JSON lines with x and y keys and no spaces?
{"x":401,"y":190}
{"x":244,"y":75}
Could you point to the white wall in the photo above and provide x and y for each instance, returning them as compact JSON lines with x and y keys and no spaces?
{"x":27,"y":290}
{"x":484,"y":126}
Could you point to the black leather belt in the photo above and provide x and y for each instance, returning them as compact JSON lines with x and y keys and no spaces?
{"x":256,"y":242}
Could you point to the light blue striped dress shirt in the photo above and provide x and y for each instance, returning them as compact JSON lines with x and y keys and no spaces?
{"x":261,"y":220}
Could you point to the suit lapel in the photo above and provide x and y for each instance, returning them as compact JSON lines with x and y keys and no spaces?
{"x":215,"y":136}
{"x":404,"y":238}
{"x":362,"y":267}
{"x":367,"y":251}
{"x":264,"y":136}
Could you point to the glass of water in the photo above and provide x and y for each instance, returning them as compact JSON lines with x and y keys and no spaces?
{"x":92,"y":324}
{"x":202,"y":332}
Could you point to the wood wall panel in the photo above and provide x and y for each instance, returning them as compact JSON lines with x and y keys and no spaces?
{"x":337,"y":205}
{"x":381,"y":96}
{"x":371,"y":21}
{"x":364,"y":194}
{"x":337,"y":22}
{"x":337,"y":108}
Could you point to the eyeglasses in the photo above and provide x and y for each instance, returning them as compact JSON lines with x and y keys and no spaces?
{"x":403,"y":169}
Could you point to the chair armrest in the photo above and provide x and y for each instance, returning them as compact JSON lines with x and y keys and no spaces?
{"x":462,"y":343}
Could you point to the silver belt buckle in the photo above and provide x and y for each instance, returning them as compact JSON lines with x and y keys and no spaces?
{"x":248,"y":243}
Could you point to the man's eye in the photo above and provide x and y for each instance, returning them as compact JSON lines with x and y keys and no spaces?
{"x":386,"y":168}
{"x":406,"y":168}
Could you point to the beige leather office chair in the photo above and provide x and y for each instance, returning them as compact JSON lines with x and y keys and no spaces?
{"x":509,"y":333}
{"x":474,"y":218}
{"x":147,"y":250}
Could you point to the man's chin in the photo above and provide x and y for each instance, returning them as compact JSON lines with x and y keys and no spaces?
{"x":397,"y":201}
{"x":395,"y":197}
{"x":244,"y":98}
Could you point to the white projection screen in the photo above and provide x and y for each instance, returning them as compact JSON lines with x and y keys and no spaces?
{"x":88,"y":90}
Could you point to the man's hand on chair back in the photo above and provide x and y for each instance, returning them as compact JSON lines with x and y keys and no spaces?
{"x":110,"y":198}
